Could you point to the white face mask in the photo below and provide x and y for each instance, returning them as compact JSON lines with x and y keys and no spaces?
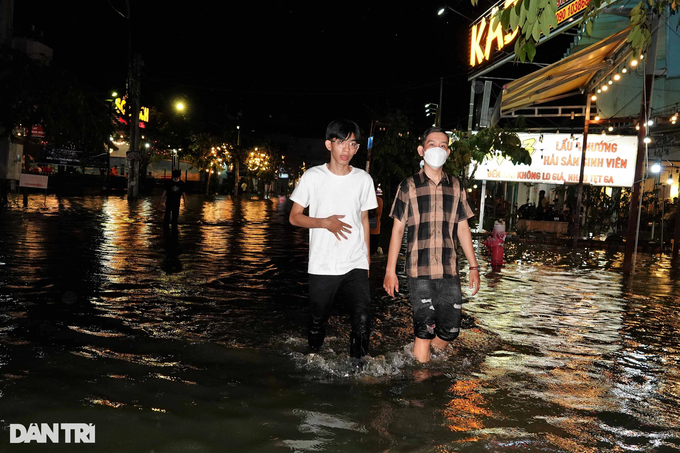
{"x":435,"y":157}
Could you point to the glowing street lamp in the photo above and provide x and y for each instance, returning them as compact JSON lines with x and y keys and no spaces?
{"x":443,"y":10}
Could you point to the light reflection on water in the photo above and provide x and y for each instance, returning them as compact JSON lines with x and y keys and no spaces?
{"x":195,"y":342}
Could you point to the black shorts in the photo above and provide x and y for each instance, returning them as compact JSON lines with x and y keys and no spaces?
{"x":437,"y":307}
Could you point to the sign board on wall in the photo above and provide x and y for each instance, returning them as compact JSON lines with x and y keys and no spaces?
{"x":34,"y":181}
{"x":121,"y":108}
{"x":72,"y":157}
{"x":556,"y":159}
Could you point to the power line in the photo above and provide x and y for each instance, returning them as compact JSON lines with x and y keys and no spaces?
{"x":234,"y":88}
{"x":114,"y":8}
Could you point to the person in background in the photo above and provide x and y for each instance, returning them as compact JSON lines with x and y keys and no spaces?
{"x":374,"y":217}
{"x":542,"y":205}
{"x":172,"y":195}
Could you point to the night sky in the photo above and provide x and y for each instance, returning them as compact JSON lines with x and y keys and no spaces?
{"x":288,"y":68}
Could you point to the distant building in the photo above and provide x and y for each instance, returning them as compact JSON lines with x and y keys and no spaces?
{"x":11,"y":152}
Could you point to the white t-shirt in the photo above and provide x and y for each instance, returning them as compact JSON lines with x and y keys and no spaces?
{"x":328,"y":194}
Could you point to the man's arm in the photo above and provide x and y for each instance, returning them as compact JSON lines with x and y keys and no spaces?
{"x":391,"y":282}
{"x":184,"y":197}
{"x":465,"y":240}
{"x":332,"y":223}
{"x":162,"y":199}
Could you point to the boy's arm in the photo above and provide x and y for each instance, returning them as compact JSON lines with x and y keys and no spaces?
{"x":391,"y":282}
{"x":162,"y":199}
{"x":465,"y":240}
{"x":332,"y":223}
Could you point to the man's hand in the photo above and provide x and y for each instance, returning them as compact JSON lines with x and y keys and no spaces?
{"x":391,"y":283}
{"x":337,"y":226}
{"x":475,"y":280}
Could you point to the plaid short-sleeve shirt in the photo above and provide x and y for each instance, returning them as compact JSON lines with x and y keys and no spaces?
{"x":431,"y":212}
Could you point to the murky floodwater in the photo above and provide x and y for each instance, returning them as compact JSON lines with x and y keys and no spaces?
{"x":196,"y":343}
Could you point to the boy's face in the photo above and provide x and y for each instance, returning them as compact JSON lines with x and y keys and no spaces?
{"x":435,"y":140}
{"x":342,"y":151}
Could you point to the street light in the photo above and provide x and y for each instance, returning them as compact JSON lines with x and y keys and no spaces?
{"x":179,"y":106}
{"x":443,"y":10}
{"x":432,"y":109}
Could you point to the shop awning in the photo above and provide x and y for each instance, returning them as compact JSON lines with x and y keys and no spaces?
{"x":570,"y":74}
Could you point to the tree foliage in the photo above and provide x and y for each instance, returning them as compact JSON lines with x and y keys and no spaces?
{"x":394,"y":155}
{"x":32,"y":93}
{"x":534,"y":18}
{"x":467,"y":149}
{"x":207,"y":152}
{"x":263,"y":162}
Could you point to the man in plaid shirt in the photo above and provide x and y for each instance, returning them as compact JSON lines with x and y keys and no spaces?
{"x":435,"y":208}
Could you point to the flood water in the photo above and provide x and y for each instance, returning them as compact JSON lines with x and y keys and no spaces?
{"x":196,"y":343}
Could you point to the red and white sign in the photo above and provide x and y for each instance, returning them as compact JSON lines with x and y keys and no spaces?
{"x":34,"y":181}
{"x":36,"y":131}
{"x":556,"y":159}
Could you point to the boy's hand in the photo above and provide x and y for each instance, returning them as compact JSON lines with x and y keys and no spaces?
{"x":337,"y":226}
{"x":391,"y":283}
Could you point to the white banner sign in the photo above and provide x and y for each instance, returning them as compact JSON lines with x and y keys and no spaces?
{"x":556,"y":159}
{"x":35,"y":181}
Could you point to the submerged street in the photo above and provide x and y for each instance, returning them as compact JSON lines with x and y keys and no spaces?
{"x":197,"y":342}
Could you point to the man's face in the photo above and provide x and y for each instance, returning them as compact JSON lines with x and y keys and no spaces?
{"x":342,"y":151}
{"x":435,"y":140}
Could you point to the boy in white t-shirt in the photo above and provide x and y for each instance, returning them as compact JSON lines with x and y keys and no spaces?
{"x":339,"y":197}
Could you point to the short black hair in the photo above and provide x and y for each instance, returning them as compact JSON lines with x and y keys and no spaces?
{"x":176,"y":173}
{"x":342,"y":129}
{"x":432,"y":130}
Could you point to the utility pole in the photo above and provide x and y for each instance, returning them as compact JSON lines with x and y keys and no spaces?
{"x":134,"y":101}
{"x":237,"y":164}
{"x":374,"y":124}
{"x":471,"y":113}
{"x":6,"y":22}
{"x":645,"y":106}
{"x":579,"y":198}
{"x":438,"y":118}
{"x":676,"y":237}
{"x":6,"y":31}
{"x":133,"y":155}
{"x":369,"y":148}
